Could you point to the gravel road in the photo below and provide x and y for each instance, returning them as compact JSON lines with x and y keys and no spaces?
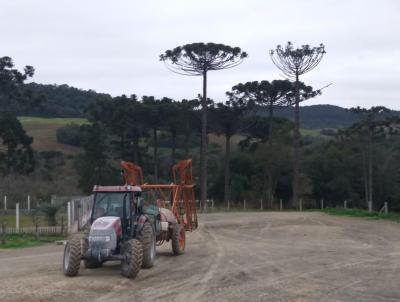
{"x":231,"y":257}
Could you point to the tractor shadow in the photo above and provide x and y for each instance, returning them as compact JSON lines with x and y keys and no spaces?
{"x":165,"y":254}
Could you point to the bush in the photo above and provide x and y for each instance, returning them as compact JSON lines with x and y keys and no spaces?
{"x":69,"y":135}
{"x":50,"y":211}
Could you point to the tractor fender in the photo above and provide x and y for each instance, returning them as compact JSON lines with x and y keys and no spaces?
{"x":140,"y":223}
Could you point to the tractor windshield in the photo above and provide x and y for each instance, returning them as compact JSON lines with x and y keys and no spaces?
{"x":111,"y":204}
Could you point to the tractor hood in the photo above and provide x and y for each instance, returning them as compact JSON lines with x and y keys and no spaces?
{"x":105,"y":223}
{"x":103,"y":236}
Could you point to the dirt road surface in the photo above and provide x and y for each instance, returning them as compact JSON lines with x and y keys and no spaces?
{"x":232,"y":257}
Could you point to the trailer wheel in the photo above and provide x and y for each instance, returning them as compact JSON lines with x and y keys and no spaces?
{"x":92,"y":263}
{"x":72,"y":257}
{"x":148,"y":241}
{"x":130,"y":265}
{"x":178,"y":239}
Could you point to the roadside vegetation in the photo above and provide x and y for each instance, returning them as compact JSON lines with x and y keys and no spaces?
{"x":15,"y":241}
{"x":362,"y":214}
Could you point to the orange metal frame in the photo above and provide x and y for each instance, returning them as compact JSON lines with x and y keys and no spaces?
{"x":178,"y":196}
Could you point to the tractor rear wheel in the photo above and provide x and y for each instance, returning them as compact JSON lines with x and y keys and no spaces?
{"x":92,"y":263}
{"x":148,"y":240}
{"x":130,"y":265}
{"x":178,"y":239}
{"x":72,"y":257}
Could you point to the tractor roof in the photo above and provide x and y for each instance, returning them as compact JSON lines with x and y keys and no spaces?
{"x":126,"y":188}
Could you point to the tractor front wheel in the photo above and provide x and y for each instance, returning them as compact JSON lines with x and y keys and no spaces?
{"x":72,"y":257}
{"x":178,"y":239}
{"x":133,"y":253}
{"x":148,"y":240}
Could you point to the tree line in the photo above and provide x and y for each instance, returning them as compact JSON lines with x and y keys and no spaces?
{"x":269,"y":159}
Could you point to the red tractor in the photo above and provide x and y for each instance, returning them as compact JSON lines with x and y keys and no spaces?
{"x":127,"y":222}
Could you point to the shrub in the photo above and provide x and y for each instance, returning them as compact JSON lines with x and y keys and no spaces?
{"x":69,"y":135}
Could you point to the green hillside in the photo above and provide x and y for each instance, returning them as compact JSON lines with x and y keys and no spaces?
{"x":43,"y":131}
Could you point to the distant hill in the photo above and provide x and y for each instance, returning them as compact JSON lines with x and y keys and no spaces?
{"x":70,"y":102}
{"x":323,"y":116}
{"x":62,"y":100}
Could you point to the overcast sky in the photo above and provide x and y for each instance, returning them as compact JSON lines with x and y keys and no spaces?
{"x":114,"y":46}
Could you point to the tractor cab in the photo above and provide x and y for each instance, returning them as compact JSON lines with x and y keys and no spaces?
{"x":129,"y":204}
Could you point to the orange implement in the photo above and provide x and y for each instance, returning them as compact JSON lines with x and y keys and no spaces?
{"x":177,"y":196}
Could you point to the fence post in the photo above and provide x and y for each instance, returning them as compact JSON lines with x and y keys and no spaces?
{"x":212,"y":205}
{"x":386,"y":209}
{"x":17,"y":216}
{"x":62,"y":225}
{"x":280,"y":205}
{"x":29,"y":203}
{"x":301,"y":205}
{"x":261,"y":204}
{"x":73,"y":211}
{"x":322,"y":204}
{"x":5,"y":203}
{"x":205,"y":206}
{"x":37,"y":229}
{"x":345,"y":204}
{"x":3,"y":232}
{"x":69,"y":217}
{"x":369,"y":206}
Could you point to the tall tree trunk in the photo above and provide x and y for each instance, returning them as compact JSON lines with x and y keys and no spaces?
{"x":271,"y":111}
{"x":8,"y":159}
{"x":227,"y":168}
{"x":136,"y":149}
{"x":203,"y":149}
{"x":155,"y":154}
{"x":365,"y":177}
{"x":173,"y":149}
{"x":187,"y":135}
{"x":370,"y":172}
{"x":122,"y":143}
{"x":269,"y":176}
{"x":296,"y":145}
{"x":264,"y":186}
{"x":270,"y":190}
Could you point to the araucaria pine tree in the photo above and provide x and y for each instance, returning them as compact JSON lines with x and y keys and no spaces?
{"x":294,"y":62}
{"x":197,"y":59}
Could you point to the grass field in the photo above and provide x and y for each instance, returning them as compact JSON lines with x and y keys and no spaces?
{"x":43,"y":131}
{"x":25,"y":220}
{"x":362,"y":214}
{"x":310,"y":132}
{"x":24,"y":240}
{"x":52,"y":121}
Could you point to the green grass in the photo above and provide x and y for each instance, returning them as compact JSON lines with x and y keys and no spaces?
{"x":53,"y":121}
{"x":362,"y":214}
{"x":24,"y":240}
{"x":44,"y":130}
{"x":310,"y":132}
{"x":24,"y":221}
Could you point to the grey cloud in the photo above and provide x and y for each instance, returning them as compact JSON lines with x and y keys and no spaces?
{"x":113,"y":46}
